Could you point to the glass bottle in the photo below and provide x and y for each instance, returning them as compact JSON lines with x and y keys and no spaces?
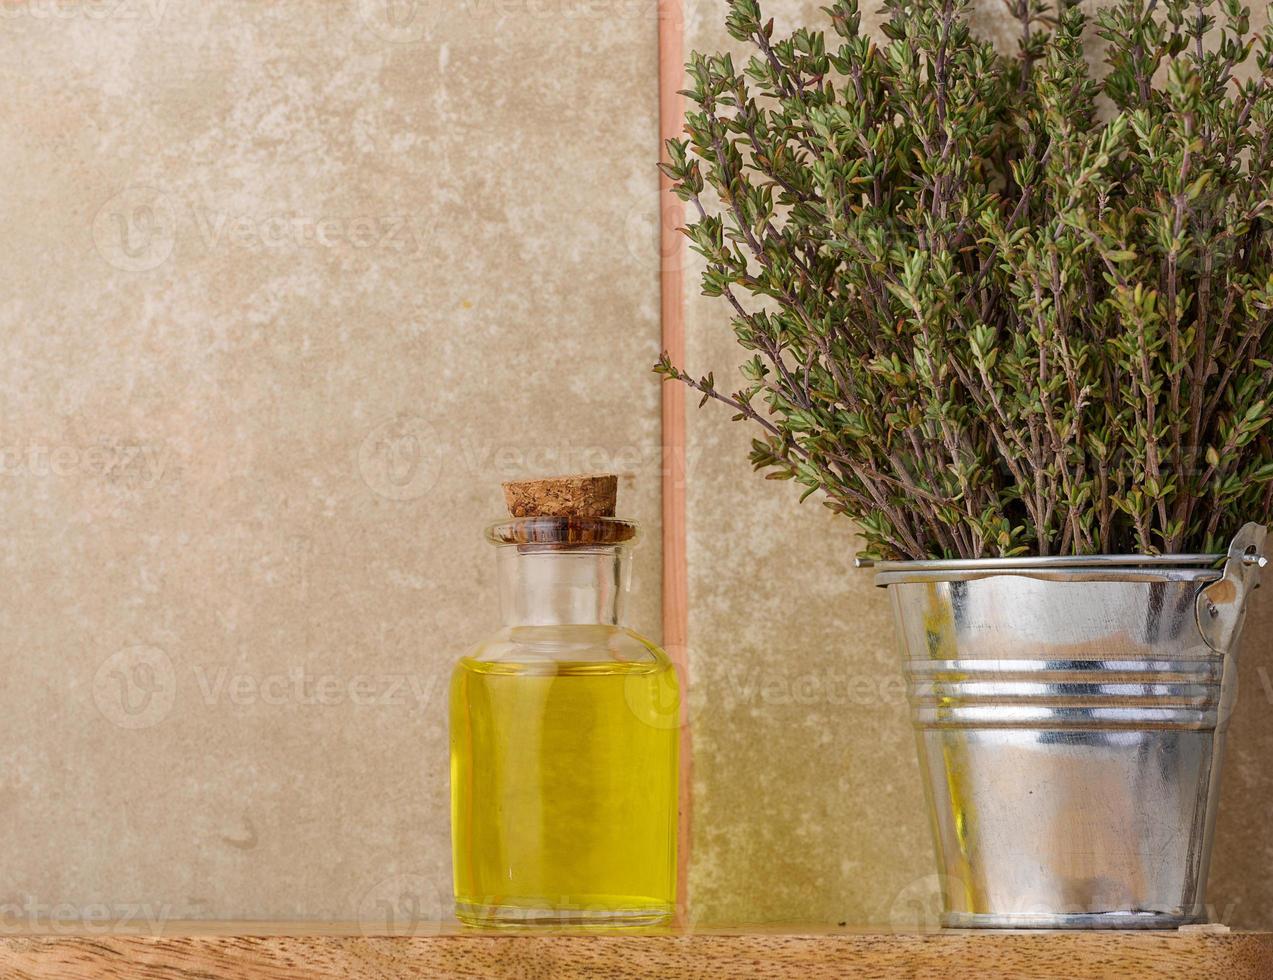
{"x":564,"y":741}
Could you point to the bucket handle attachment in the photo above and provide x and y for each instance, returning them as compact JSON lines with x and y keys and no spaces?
{"x":1221,"y":605}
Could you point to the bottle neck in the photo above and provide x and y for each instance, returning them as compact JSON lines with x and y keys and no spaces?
{"x":563,"y":586}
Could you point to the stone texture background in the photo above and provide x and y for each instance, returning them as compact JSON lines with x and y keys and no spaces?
{"x":286,"y":289}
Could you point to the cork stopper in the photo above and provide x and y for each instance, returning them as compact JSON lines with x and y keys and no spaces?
{"x":563,"y":511}
{"x":591,"y":495}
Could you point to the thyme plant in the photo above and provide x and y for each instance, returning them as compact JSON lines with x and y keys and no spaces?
{"x":995,"y":305}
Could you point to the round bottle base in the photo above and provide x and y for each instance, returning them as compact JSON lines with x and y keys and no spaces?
{"x":1070,"y":920}
{"x":516,"y":916}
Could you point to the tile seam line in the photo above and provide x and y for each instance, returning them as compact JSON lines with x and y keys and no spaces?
{"x":671,"y":45}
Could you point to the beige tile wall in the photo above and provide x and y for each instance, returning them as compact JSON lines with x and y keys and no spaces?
{"x":286,"y":288}
{"x":808,"y":804}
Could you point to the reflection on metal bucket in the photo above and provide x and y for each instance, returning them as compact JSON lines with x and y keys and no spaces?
{"x":1070,"y":714}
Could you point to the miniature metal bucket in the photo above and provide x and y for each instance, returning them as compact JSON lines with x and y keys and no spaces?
{"x":1070,"y":714}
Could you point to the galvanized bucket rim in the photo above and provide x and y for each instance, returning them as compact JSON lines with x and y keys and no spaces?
{"x":1246,"y":551}
{"x":1030,"y":562}
{"x":1063,"y":568}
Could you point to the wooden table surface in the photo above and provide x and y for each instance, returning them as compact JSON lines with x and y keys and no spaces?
{"x":281,"y":951}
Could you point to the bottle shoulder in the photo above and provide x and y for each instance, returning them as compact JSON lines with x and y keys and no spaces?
{"x":587,"y":649}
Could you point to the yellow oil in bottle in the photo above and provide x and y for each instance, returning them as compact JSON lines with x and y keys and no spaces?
{"x":563,"y":778}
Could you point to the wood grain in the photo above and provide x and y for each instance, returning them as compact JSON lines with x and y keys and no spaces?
{"x":298,"y":951}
